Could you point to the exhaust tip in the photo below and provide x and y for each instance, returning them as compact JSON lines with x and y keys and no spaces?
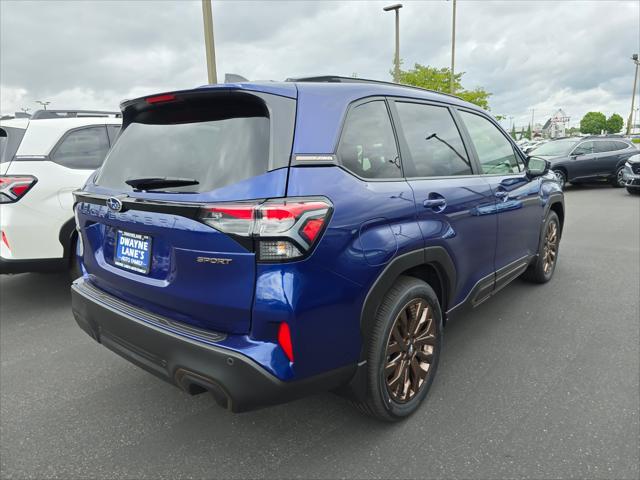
{"x":195,"y":384}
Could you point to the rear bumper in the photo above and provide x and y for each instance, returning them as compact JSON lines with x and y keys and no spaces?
{"x":37,"y":265}
{"x":236,"y":381}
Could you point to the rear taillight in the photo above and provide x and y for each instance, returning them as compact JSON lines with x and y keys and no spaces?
{"x":14,"y":187}
{"x":284,"y":229}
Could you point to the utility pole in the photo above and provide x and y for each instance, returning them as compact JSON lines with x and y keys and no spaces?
{"x":634,"y":57}
{"x":44,"y":104}
{"x":396,"y":60}
{"x":207,"y":16}
{"x":532,"y":116}
{"x":453,"y":47}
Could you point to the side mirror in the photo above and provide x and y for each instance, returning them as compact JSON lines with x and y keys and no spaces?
{"x":536,"y":166}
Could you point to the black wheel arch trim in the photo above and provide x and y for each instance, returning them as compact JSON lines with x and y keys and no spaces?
{"x":436,"y":257}
{"x":555,"y":198}
{"x":66,"y":236}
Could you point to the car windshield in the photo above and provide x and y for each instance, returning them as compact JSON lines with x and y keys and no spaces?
{"x":556,"y":147}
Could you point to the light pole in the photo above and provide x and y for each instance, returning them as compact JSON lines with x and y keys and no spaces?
{"x":453,"y":46}
{"x":207,"y":16}
{"x":44,"y":104}
{"x":634,"y":57}
{"x":396,"y":60}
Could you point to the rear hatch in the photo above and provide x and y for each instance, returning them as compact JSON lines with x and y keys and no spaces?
{"x":144,"y":237}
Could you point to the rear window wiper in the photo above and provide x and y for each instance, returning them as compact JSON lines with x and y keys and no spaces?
{"x":153,"y":183}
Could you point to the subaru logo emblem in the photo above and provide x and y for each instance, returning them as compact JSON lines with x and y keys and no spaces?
{"x":114,"y":204}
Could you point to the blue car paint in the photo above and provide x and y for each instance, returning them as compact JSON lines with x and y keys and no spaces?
{"x":470,"y":239}
{"x":321,"y":112}
{"x":321,"y":297}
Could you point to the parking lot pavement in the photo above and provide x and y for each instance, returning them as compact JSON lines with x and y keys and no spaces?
{"x":539,"y":382}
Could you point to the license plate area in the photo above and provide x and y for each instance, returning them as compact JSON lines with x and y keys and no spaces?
{"x":133,"y":251}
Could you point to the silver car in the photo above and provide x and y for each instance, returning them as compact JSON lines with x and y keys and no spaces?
{"x":631,"y":174}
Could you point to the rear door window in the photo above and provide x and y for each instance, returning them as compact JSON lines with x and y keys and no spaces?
{"x":604,"y":146}
{"x":215,"y":139}
{"x":434,"y":141}
{"x":84,"y":148}
{"x":368,"y":145}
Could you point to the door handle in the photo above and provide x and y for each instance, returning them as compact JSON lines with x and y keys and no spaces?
{"x":435,"y":203}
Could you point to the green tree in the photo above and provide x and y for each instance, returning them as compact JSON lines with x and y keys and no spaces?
{"x":528,"y":134}
{"x":438,"y":79}
{"x":593,"y":123}
{"x":513,"y":132}
{"x":614,"y":123}
{"x":522,"y":133}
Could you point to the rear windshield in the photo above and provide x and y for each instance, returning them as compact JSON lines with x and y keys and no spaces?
{"x":10,"y":139}
{"x":218,"y":140}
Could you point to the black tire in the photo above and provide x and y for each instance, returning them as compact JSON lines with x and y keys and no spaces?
{"x":379,"y":402}
{"x":561,"y":175}
{"x":633,"y":191}
{"x":74,"y":265}
{"x":538,"y":271}
{"x":618,"y":181}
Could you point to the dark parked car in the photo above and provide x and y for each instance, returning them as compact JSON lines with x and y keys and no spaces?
{"x":587,"y":159}
{"x":264,"y":241}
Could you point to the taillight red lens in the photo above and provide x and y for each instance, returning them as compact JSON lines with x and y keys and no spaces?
{"x":312,"y":228}
{"x":168,"y":97}
{"x":284,"y":340}
{"x":13,"y":187}
{"x":286,"y":228}
{"x":19,"y":190}
{"x":236,"y":219}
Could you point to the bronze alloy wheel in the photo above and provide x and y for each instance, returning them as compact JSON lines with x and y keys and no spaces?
{"x":410,"y":350}
{"x":550,"y":247}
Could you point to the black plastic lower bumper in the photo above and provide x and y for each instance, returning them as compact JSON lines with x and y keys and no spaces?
{"x":236,"y":381}
{"x":37,"y":265}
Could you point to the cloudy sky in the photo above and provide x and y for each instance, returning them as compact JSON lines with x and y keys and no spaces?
{"x":542,"y":55}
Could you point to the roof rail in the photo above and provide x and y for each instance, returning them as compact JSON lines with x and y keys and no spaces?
{"x":41,"y":114}
{"x":606,"y":135}
{"x":339,"y":79}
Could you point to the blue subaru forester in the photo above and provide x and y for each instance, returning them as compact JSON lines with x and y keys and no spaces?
{"x":264,"y":241}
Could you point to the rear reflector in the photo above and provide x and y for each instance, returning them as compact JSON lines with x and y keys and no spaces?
{"x":284,"y":228}
{"x":284,"y":340}
{"x":13,"y":187}
{"x":4,"y":240}
{"x":161,"y":98}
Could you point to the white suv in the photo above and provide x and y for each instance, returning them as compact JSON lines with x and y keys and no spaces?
{"x":42,"y":160}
